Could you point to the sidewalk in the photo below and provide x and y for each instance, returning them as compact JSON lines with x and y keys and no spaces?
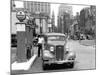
{"x":25,"y":65}
{"x":88,"y":42}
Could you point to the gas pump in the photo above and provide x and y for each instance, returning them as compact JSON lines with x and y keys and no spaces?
{"x":24,"y":38}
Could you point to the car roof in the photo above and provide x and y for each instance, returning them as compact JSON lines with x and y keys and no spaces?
{"x":60,"y":34}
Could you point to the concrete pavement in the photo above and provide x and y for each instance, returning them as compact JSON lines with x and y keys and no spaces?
{"x":88,"y":42}
{"x":25,"y":65}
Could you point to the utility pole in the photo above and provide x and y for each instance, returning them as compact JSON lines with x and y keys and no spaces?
{"x":40,"y":15}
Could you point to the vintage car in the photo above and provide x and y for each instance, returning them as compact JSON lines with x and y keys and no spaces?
{"x":55,"y":50}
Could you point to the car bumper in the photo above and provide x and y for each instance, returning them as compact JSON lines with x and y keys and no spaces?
{"x":58,"y":62}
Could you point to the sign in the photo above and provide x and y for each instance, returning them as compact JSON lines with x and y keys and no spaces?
{"x":20,"y":27}
{"x":21,"y":16}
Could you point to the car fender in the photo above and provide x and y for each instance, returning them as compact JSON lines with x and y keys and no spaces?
{"x":71,"y":55}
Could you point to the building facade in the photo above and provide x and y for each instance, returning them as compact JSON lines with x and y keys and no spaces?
{"x":88,"y":21}
{"x":65,"y":8}
{"x":41,"y":12}
{"x":64,"y":18}
{"x":37,"y":7}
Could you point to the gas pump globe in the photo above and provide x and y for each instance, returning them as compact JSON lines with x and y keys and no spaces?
{"x":21,"y":16}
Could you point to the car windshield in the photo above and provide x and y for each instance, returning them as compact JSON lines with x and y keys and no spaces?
{"x":56,"y":38}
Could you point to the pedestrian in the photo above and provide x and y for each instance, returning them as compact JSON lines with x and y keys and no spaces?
{"x":40,"y":42}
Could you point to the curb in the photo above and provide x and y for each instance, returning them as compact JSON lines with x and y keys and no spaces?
{"x":83,"y":43}
{"x":24,"y":65}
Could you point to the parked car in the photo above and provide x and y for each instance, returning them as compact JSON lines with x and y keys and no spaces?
{"x":82,"y":37}
{"x":55,"y":51}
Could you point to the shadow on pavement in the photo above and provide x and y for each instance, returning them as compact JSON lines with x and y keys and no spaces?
{"x":57,"y":67}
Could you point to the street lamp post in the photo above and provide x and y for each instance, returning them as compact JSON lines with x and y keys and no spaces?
{"x":49,"y":24}
{"x":40,"y":22}
{"x":40,"y":26}
{"x":40,"y":18}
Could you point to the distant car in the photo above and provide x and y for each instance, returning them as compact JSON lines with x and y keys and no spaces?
{"x":56,"y":52}
{"x":82,"y":37}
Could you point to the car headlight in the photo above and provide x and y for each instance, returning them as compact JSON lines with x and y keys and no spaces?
{"x":51,"y":48}
{"x":72,"y":55}
{"x":67,"y":49}
{"x":46,"y":53}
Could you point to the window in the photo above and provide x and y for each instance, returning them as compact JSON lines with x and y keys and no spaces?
{"x":56,"y":37}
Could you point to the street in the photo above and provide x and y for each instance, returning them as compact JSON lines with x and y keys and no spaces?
{"x":85,"y":59}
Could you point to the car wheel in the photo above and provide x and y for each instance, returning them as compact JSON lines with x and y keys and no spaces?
{"x":44,"y":66}
{"x":71,"y":65}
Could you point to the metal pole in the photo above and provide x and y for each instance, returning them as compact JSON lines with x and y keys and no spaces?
{"x":40,"y":24}
{"x":62,"y":25}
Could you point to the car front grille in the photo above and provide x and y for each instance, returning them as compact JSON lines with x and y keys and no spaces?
{"x":59,"y":52}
